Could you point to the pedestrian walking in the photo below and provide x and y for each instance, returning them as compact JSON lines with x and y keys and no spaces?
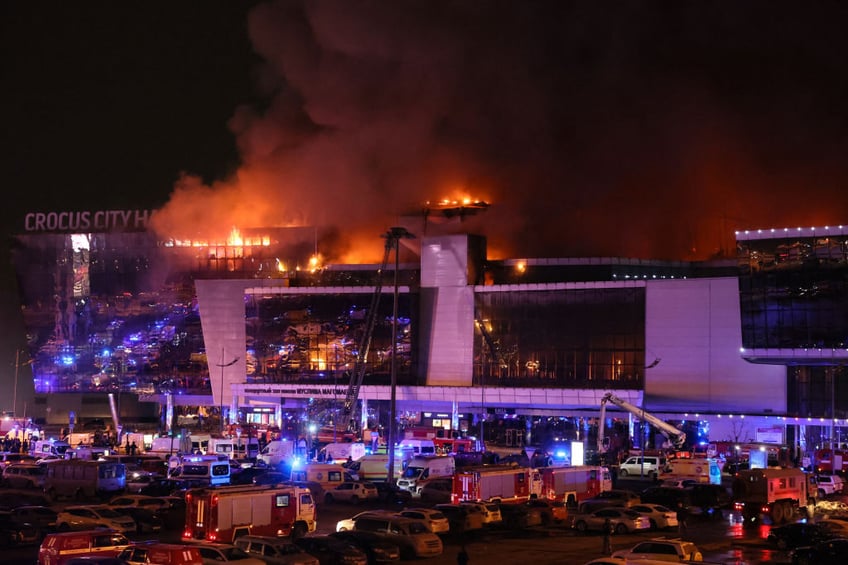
{"x":607,"y":549}
{"x":682,"y":518}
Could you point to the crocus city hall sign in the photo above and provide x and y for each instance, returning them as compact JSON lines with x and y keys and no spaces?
{"x":88,"y":220}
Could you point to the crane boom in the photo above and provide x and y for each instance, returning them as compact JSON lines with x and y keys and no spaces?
{"x":675,"y":436}
{"x":349,"y":409}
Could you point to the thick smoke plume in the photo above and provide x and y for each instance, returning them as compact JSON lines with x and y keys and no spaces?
{"x":592,"y":129}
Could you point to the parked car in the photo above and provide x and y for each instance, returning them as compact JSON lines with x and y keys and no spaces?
{"x":552,"y":511}
{"x":649,"y":466}
{"x":435,"y":521}
{"x":490,"y":512}
{"x":136,"y":482}
{"x":89,"y":517}
{"x":412,"y":536}
{"x":790,"y":536}
{"x":270,"y":477}
{"x":621,"y":520}
{"x":836,"y":527}
{"x":669,"y":497}
{"x":331,"y":551}
{"x":830,"y":552}
{"x":274,"y":550}
{"x":661,"y":517}
{"x":730,"y":468}
{"x":157,"y":553}
{"x":347,"y":524}
{"x":139,"y":501}
{"x":661,"y":549}
{"x":13,"y":532}
{"x":353,"y":492}
{"x":222,"y":553}
{"x":826,"y":484}
{"x":24,"y":475}
{"x":147,"y":521}
{"x":437,"y":491}
{"x":376,"y":548}
{"x":678,"y":483}
{"x":614,"y":497}
{"x":43,"y":517}
{"x":519,"y":516}
{"x":462,"y":518}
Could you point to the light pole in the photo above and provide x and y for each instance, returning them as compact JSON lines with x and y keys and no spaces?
{"x":222,"y":365}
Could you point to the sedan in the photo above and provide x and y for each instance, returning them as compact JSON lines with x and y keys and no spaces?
{"x":331,"y":551}
{"x":43,"y":517}
{"x":661,"y":517}
{"x":435,"y":521}
{"x":220,"y":553}
{"x":147,"y":521}
{"x":462,"y":518}
{"x":490,"y":511}
{"x":831,"y":552}
{"x":552,"y":511}
{"x":353,"y":492}
{"x":790,"y":536}
{"x":520,"y":516}
{"x":621,"y":520}
{"x":376,"y":547}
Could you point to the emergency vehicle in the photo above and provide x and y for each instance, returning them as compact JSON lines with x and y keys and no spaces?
{"x":500,"y":482}
{"x":825,"y":458}
{"x":776,"y":493}
{"x":572,"y":485}
{"x":222,"y":514}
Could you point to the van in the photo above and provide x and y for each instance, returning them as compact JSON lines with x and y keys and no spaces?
{"x":276,"y":453}
{"x":421,"y":469}
{"x":326,"y":475}
{"x":155,"y":553}
{"x":375,"y":467}
{"x":699,"y":470}
{"x":213,"y":469}
{"x":58,"y":548}
{"x":419,"y":446}
{"x":412,"y":536}
{"x":339,"y":452}
{"x":642,"y":466}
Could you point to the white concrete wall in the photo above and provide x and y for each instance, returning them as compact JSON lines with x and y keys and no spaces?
{"x":693,"y":327}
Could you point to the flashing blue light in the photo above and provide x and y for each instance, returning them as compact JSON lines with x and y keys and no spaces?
{"x":67,"y":360}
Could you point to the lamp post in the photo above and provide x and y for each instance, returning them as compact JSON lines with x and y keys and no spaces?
{"x":394,"y":235}
{"x":222,"y":365}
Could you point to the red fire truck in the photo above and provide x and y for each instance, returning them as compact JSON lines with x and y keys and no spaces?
{"x":221,"y":514}
{"x":824,"y":458}
{"x":499,"y":482}
{"x":574,"y":484}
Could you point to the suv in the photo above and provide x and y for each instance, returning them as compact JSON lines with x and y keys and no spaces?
{"x":648,"y":466}
{"x":615,"y":497}
{"x":662,"y":549}
{"x":826,"y":484}
{"x":24,"y":475}
{"x":274,"y":550}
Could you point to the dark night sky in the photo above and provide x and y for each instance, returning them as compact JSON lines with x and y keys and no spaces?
{"x":640,"y":129}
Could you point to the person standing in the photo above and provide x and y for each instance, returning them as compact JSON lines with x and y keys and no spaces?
{"x":607,"y":549}
{"x":682,"y":517}
{"x":462,"y":556}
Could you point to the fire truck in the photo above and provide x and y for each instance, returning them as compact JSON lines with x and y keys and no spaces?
{"x":572,"y":485}
{"x":221,"y":514}
{"x":497,"y":482}
{"x":824,"y":460}
{"x":775,"y":492}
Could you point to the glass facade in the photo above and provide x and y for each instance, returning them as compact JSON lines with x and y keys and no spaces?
{"x":581,"y":338}
{"x":309,"y":337}
{"x":793,"y":292}
{"x":117,"y":311}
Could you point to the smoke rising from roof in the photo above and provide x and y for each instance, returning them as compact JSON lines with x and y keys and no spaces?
{"x":592,"y":131}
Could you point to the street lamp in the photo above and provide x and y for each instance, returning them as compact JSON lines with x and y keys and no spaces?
{"x":222,"y":365}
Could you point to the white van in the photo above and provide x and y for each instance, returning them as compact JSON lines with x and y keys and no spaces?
{"x":423,"y":468}
{"x":215,"y":469}
{"x":375,"y":466}
{"x":327,"y":475}
{"x":642,"y":466}
{"x":339,"y":452}
{"x":419,"y":446}
{"x":276,"y":452}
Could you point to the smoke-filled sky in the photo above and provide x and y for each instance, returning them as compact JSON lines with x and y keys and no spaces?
{"x":638,"y":129}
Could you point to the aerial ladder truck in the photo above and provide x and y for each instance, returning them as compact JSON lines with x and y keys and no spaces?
{"x":350,"y":409}
{"x":676,"y":437}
